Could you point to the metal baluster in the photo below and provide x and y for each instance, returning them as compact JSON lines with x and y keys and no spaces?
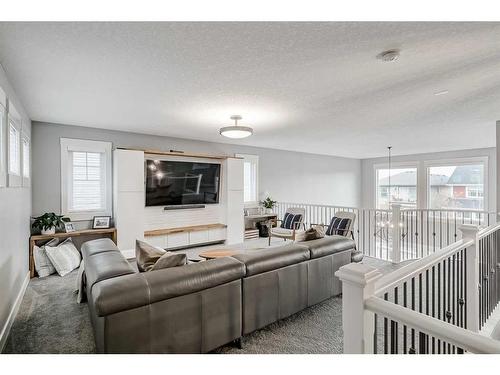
{"x":433,"y":305}
{"x":386,"y":337}
{"x":405,"y":304}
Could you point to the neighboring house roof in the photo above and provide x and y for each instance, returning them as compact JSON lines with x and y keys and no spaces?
{"x":467,"y":175}
{"x":408,"y":178}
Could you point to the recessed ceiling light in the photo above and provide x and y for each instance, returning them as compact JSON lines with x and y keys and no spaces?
{"x":236,"y":131}
{"x":442,"y":92}
{"x":389,"y":55}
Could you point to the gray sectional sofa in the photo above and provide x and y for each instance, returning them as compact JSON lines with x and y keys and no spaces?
{"x":201,"y":306}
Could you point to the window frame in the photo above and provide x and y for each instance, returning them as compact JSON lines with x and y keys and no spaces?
{"x":3,"y":138}
{"x":395,"y":165}
{"x":70,"y":145}
{"x":24,"y":162}
{"x":459,"y":162}
{"x":253,"y":159}
{"x":14,"y":179}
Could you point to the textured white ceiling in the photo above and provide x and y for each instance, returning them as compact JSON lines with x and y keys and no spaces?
{"x":312,"y":87}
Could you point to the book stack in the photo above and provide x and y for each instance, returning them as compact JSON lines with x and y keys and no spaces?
{"x":251,"y":234}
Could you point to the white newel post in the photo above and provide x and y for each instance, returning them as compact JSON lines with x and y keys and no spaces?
{"x":396,"y":233}
{"x":470,"y":232}
{"x":358,"y":284}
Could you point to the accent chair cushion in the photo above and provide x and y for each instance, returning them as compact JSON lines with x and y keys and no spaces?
{"x":43,"y":265}
{"x":291,"y":221}
{"x":65,"y":257}
{"x":338,"y":226}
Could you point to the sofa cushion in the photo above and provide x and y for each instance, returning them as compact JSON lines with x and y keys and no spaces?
{"x":272,"y":258}
{"x":100,"y":245}
{"x":329,"y":245}
{"x":106,"y":265}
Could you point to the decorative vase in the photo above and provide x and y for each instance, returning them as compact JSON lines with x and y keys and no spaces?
{"x":269,"y":210}
{"x":51,"y":230}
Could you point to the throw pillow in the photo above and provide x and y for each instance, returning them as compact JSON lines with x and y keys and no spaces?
{"x":43,"y":265}
{"x":169,"y":260}
{"x":146,"y":255}
{"x":314,"y":233}
{"x":290,"y":221}
{"x":65,"y":257}
{"x":338,"y":226}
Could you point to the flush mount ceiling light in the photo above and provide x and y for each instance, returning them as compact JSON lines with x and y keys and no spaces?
{"x":236,"y":131}
{"x":389,"y":55}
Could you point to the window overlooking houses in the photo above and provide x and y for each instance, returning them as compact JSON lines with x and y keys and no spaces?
{"x":250,"y":179}
{"x":456,"y":187}
{"x":399,"y":186}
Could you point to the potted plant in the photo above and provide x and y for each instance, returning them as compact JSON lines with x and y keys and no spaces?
{"x":48,"y":222}
{"x":268,"y":204}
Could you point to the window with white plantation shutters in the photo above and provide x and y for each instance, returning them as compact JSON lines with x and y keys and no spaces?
{"x":14,"y":152}
{"x":26,"y":158}
{"x":250,"y":179}
{"x":86,"y":183}
{"x":87,"y":190}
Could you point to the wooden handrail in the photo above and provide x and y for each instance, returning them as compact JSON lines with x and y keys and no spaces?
{"x":414,"y":268}
{"x":468,"y":340}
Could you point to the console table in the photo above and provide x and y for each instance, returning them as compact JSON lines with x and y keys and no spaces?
{"x":109,"y":232}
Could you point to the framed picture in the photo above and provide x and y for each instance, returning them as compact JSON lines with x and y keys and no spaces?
{"x":101,"y":222}
{"x":69,"y":227}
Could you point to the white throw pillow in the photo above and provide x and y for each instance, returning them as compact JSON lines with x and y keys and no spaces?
{"x":65,"y":257}
{"x":43,"y":265}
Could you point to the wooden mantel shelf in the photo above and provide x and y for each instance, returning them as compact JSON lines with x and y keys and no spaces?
{"x":160,"y":232}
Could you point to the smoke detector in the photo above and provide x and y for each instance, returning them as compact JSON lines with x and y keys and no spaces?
{"x":389,"y":55}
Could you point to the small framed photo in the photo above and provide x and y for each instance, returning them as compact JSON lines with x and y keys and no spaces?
{"x":101,"y":222}
{"x":69,"y":227}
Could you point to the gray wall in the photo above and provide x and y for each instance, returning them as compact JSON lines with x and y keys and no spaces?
{"x":287,"y":176}
{"x":368,"y":175}
{"x":15,"y":210}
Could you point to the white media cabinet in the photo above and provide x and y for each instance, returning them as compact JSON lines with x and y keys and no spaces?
{"x":174,"y":229}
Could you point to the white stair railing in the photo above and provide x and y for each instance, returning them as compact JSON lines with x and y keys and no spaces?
{"x":431,"y":305}
{"x":397,"y":234}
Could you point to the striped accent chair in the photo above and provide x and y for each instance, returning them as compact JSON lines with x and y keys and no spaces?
{"x":291,"y":225}
{"x":342,"y":224}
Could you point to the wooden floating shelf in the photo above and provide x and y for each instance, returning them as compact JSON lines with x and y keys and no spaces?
{"x":38,"y":237}
{"x":178,"y":153}
{"x":160,"y":232}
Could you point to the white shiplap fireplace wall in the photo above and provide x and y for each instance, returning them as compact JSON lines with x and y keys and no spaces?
{"x":132,"y":218}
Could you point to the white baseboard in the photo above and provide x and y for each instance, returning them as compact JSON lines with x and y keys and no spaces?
{"x":129,"y":253}
{"x":13,"y":313}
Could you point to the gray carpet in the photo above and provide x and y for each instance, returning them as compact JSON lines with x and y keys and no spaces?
{"x":50,"y":321}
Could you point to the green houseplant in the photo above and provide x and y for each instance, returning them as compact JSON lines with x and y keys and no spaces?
{"x":48,"y":222}
{"x":268,"y":204}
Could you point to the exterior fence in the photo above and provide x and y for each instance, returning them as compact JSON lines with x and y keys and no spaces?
{"x":436,"y":304}
{"x":420,"y":232}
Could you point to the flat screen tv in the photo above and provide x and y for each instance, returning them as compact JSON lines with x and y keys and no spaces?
{"x":170,"y":183}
